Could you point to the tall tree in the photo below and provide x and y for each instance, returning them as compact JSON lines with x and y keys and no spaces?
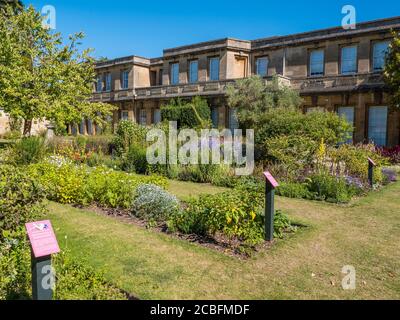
{"x":392,"y":70}
{"x":252,"y":97}
{"x":42,"y":78}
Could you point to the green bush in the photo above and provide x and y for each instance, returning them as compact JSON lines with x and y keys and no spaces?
{"x":330,"y":188}
{"x":28,"y":150}
{"x":21,"y":198}
{"x":237,"y":214}
{"x":75,"y":280}
{"x":353,"y":160}
{"x":154,"y":204}
{"x":79,"y":281}
{"x":135,"y":160}
{"x":294,"y":190}
{"x":129,"y":133}
{"x":190,"y":114}
{"x":69,"y":183}
{"x":294,"y":152}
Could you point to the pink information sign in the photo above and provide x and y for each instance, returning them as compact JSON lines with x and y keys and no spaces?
{"x":371,"y":161}
{"x":271,"y":179}
{"x":42,"y":238}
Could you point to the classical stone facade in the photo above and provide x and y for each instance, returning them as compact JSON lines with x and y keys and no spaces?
{"x":333,"y":69}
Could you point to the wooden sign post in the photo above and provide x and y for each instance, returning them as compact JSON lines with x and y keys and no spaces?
{"x":371,"y":166}
{"x":43,"y":244}
{"x":270,"y":185}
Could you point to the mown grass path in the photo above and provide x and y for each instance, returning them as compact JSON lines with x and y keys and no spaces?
{"x":150,"y":265}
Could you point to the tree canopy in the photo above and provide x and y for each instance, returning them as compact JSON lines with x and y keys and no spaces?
{"x":43,"y":78}
{"x":392,"y":70}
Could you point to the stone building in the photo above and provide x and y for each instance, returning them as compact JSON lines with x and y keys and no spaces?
{"x":334,"y":70}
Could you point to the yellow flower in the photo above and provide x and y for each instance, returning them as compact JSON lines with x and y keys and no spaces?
{"x":253,"y":215}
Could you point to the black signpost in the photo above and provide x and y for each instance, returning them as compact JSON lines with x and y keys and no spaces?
{"x":42,"y":279}
{"x":371,"y":166}
{"x":270,"y":185}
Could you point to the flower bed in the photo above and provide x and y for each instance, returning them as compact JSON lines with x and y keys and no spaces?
{"x":68,"y":183}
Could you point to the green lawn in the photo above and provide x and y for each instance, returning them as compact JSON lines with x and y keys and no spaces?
{"x":150,"y":265}
{"x":184,"y":190}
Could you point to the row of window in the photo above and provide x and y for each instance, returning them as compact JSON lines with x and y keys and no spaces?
{"x":348,"y":65}
{"x":103,"y":82}
{"x":348,"y":59}
{"x":377,"y":122}
{"x":193,"y":74}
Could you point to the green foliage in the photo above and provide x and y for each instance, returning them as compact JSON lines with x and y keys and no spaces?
{"x":188,"y":114}
{"x":353,"y":160}
{"x":392,"y":70}
{"x":69,"y":183}
{"x":316,"y":126}
{"x":135,"y":160}
{"x":237,"y":214}
{"x":294,"y":190}
{"x":154,"y":204}
{"x":294,"y":152}
{"x":253,"y":97}
{"x":28,"y":150}
{"x":40,"y":77}
{"x":330,"y":188}
{"x":75,"y":280}
{"x":20,"y":198}
{"x":79,"y":281}
{"x":128,"y":134}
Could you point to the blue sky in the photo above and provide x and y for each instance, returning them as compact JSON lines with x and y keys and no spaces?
{"x":145,"y":28}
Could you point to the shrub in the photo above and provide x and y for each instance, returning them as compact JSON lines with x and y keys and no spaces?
{"x":69,"y":183}
{"x":79,"y":281}
{"x":75,"y":280}
{"x":28,"y":150}
{"x":135,"y":160}
{"x":154,"y":204}
{"x":294,"y":190}
{"x":294,"y":152}
{"x":20,"y":198}
{"x":332,"y":189}
{"x":129,"y":133}
{"x":190,"y":114}
{"x":235,"y":214}
{"x":353,"y":160}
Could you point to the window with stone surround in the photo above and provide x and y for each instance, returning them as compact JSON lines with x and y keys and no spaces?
{"x":377,"y":125}
{"x":349,"y":60}
{"x":108,"y":81}
{"x":143,"y":117}
{"x":193,"y":71}
{"x":380,"y":49}
{"x":124,"y":115}
{"x":174,"y":73}
{"x":157,"y":116}
{"x":317,"y":62}
{"x":99,"y":83}
{"x":213,"y":72}
{"x":125,"y":79}
{"x":262,"y":66}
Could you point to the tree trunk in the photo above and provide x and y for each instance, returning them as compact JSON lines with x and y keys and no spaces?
{"x":27,"y":127}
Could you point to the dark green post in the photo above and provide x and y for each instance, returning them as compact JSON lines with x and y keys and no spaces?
{"x":270,"y":185}
{"x":371,"y":165}
{"x":42,"y":278}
